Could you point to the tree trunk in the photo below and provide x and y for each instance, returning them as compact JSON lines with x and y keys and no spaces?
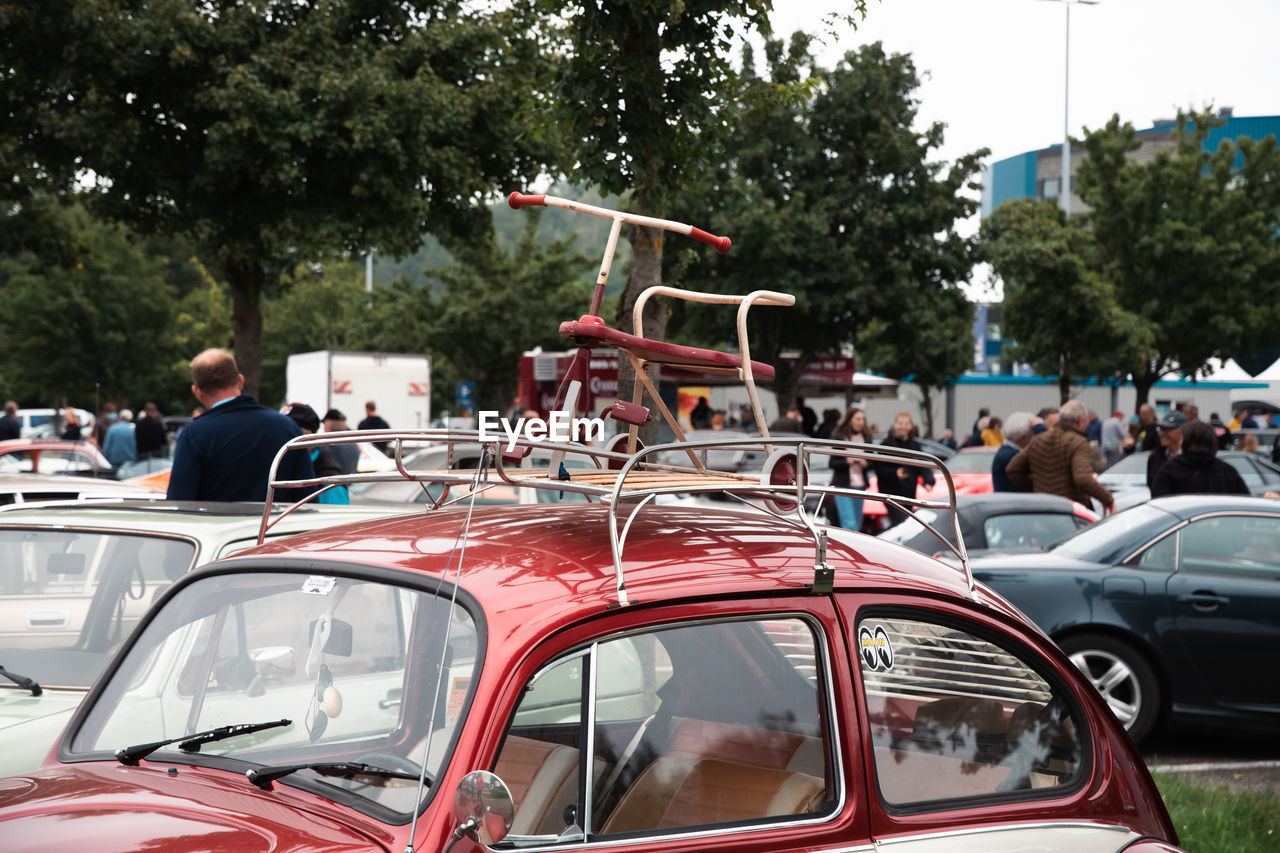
{"x":1142,"y":388}
{"x":646,"y":271}
{"x":246,"y":279}
{"x":926,"y":411}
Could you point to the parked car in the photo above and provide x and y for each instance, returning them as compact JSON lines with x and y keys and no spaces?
{"x":1127,"y":478}
{"x":19,"y":489}
{"x":75,"y":580}
{"x":995,"y":521}
{"x":54,"y":456}
{"x":34,"y":423}
{"x":1172,"y":608}
{"x":516,"y":677}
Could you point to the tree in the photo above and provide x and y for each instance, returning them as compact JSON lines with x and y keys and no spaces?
{"x":498,"y":303}
{"x":98,"y":325}
{"x":834,"y":199}
{"x":645,"y":94}
{"x":1189,"y":239}
{"x":1059,"y":309}
{"x":273,"y":131}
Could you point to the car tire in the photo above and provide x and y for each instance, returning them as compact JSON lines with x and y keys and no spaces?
{"x":1122,"y":675}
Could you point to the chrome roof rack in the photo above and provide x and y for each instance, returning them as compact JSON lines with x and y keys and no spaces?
{"x":628,"y":482}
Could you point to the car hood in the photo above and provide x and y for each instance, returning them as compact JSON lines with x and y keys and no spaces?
{"x":110,"y":808}
{"x":29,"y":725}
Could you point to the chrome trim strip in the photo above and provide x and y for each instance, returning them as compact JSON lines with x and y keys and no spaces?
{"x":1003,"y":827}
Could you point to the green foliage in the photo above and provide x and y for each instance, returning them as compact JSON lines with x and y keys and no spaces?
{"x":834,"y":198}
{"x":499,"y":303}
{"x":1060,"y":310}
{"x":274,"y":132}
{"x":1215,"y":818}
{"x":98,"y":324}
{"x":1189,"y":240}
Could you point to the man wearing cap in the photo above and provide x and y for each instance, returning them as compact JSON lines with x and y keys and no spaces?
{"x":322,"y":458}
{"x":226,"y":453}
{"x":1058,"y":461}
{"x":1170,"y":429}
{"x":348,"y":455}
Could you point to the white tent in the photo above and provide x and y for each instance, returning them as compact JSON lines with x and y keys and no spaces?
{"x":1272,"y":373}
{"x":1227,"y":371}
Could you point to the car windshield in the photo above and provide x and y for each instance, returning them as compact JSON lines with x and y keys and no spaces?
{"x":68,"y":598}
{"x":1114,"y":537}
{"x":971,"y":461}
{"x":353,"y":664}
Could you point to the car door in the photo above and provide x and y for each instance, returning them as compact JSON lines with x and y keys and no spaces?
{"x":1225,"y":601}
{"x":701,"y":729}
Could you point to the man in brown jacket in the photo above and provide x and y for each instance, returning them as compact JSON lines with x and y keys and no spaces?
{"x":1058,"y":461}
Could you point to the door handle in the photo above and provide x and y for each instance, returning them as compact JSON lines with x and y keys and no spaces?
{"x":48,"y":619}
{"x":1204,"y":600}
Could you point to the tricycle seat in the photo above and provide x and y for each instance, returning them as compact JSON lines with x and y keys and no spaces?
{"x":660,"y":352}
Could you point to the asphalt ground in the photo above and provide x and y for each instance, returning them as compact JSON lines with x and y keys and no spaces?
{"x":1242,"y":763}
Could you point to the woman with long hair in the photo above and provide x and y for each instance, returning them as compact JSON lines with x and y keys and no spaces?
{"x":849,"y":472}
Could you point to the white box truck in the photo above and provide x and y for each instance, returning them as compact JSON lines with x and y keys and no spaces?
{"x":399,"y":383}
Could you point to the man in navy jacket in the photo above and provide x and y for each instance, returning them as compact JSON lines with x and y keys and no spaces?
{"x":226,"y":453}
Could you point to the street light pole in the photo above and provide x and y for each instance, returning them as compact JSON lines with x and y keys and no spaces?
{"x":1065,"y":188}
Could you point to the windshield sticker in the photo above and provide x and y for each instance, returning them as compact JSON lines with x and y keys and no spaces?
{"x":877,"y":653}
{"x":319,"y":585}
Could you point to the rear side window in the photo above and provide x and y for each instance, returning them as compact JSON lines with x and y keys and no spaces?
{"x":1027,"y":529}
{"x":676,"y":729}
{"x":956,"y":717}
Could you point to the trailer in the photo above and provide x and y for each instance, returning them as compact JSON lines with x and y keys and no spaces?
{"x":399,"y":384}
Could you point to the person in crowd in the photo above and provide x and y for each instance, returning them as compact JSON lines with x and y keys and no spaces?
{"x":1058,"y":461}
{"x":974,"y":439}
{"x":1146,"y":437}
{"x":1170,"y":430}
{"x":1197,"y":469}
{"x":323,"y":460}
{"x":119,"y":446}
{"x":1017,"y":435}
{"x":10,"y":426}
{"x":948,"y":439}
{"x":1247,"y":420}
{"x":226,"y":453}
{"x":895,"y":479}
{"x":747,"y":418}
{"x":700,"y":415}
{"x":348,"y":455}
{"x":1115,"y":435}
{"x":830,"y":420}
{"x":717,"y":420}
{"x":792,"y":421}
{"x":808,"y":418}
{"x":70,"y":425}
{"x":1221,"y":431}
{"x":150,"y":437}
{"x":992,"y":435}
{"x":1250,"y":444}
{"x":106,"y":418}
{"x":1192,"y":412}
{"x":373,"y":420}
{"x":1048,"y":419}
{"x":1093,"y":429}
{"x":848,"y":472}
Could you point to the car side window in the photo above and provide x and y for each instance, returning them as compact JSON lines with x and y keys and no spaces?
{"x":1027,"y":529}
{"x":956,"y":717}
{"x":1161,"y":555}
{"x":674,"y":729}
{"x":1247,"y":472}
{"x":1239,"y":545}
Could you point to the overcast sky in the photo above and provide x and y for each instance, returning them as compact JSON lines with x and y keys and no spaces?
{"x":993,"y":69}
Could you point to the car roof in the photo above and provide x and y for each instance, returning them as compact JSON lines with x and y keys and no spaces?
{"x":556,"y":563}
{"x":1189,"y":506}
{"x":193,"y":518}
{"x":1013,"y":502}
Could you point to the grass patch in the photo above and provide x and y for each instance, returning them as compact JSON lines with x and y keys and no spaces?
{"x":1219,"y":820}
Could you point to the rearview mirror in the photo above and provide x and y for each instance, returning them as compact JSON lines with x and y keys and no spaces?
{"x":339,"y":640}
{"x":65,"y":564}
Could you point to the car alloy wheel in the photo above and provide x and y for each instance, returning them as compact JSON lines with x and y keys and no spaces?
{"x":1122,"y":676}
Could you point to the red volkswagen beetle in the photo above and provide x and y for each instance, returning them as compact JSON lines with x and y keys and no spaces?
{"x":615,"y":676}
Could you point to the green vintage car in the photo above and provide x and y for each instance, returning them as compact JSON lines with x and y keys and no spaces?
{"x":76,"y":578}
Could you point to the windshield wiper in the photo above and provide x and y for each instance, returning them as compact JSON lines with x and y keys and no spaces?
{"x":264,"y":776}
{"x":130,"y":755}
{"x":22,"y":681}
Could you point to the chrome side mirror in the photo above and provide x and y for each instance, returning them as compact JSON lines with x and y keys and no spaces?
{"x":482,"y":805}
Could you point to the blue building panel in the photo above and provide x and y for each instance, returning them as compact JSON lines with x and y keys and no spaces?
{"x":1013,"y":177}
